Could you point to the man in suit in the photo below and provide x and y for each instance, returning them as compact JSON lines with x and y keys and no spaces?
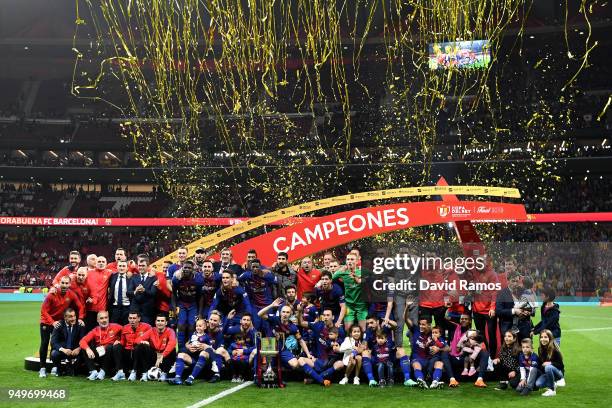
{"x":120,"y":294}
{"x":65,"y":343}
{"x":508,"y":305}
{"x":145,"y":291}
{"x":227,"y":262}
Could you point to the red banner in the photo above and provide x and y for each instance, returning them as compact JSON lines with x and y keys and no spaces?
{"x":131,"y":222}
{"x":184,"y":222}
{"x":319,"y":234}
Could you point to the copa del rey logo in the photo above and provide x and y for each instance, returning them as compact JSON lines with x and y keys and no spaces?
{"x":461,"y":211}
{"x":453,"y":210}
{"x":443,"y":210}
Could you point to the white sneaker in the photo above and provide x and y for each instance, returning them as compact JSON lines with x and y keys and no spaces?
{"x":132,"y":376}
{"x":101,"y":375}
{"x":172,"y":369}
{"x":120,"y":376}
{"x":356,"y":380}
{"x":144,"y":378}
{"x":42,"y":373}
{"x":435,"y":384}
{"x":54,"y":372}
{"x":93,"y":375}
{"x":343,"y":381}
{"x":549,"y":393}
{"x":214,"y":367}
{"x":163,"y":377}
{"x":560,"y":383}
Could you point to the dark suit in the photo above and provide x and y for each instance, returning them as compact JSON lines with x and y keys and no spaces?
{"x":233,"y":268}
{"x":119,"y":313}
{"x":62,"y":337}
{"x":503,"y":310}
{"x":144,"y":302}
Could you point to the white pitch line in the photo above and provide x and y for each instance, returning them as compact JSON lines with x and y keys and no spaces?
{"x":589,"y":317}
{"x":586,"y":330}
{"x":220,"y":395}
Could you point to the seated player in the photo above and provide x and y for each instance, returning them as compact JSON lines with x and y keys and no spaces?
{"x":198,"y":349}
{"x":353,"y":347}
{"x":97,"y":346}
{"x":372,"y":326}
{"x":283,"y":328}
{"x":156,"y":348}
{"x":65,"y":344}
{"x":186,"y":291}
{"x":439,"y":351}
{"x":325,"y":357}
{"x":246,"y":330}
{"x":421,"y":342}
{"x":528,"y":366}
{"x":218,"y":352}
{"x":124,"y":349}
{"x":52,"y":314}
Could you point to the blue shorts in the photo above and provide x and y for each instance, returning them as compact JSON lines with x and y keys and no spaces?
{"x":322,"y":365}
{"x":424,"y":362}
{"x":286,"y":356}
{"x":187,"y":314}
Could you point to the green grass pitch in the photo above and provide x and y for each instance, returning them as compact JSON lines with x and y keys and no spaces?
{"x":587,"y":356}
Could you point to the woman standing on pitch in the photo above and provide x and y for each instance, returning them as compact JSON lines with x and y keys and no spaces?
{"x":552,"y":364}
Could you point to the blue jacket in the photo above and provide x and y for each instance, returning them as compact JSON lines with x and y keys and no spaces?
{"x":550,"y":321}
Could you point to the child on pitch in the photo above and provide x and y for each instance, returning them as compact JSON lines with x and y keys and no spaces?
{"x":528,"y":366}
{"x":549,"y":315}
{"x":353,"y":347}
{"x":552,"y":363}
{"x":239,"y":362}
{"x":527,"y":301}
{"x":382,"y":357}
{"x":507,"y":364}
{"x":196,"y":350}
{"x":471,"y":345}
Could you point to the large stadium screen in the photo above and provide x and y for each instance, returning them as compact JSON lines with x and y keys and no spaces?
{"x":459,"y":54}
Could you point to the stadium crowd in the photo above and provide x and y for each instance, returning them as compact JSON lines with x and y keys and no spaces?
{"x":201,"y":317}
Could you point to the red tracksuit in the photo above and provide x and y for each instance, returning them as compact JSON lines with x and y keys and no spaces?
{"x":163,"y":342}
{"x":306,"y":281}
{"x":56,"y":303}
{"x":162,"y":299}
{"x":64,"y":272}
{"x":98,"y":284}
{"x":82,"y":290}
{"x":102,"y":336}
{"x":129,"y":336}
